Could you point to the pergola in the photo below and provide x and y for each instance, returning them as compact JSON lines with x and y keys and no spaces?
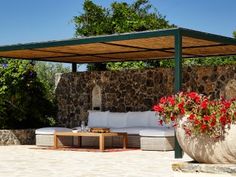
{"x":149,"y":45}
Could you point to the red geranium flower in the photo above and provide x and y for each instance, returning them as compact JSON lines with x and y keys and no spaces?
{"x":191,"y":117}
{"x":196,"y":122}
{"x":204,"y":104}
{"x":158,"y":108}
{"x":207,"y":118}
{"x":171,"y":100}
{"x":161,"y":122}
{"x":223,"y":120}
{"x":181,"y":105}
{"x":163,"y":100}
{"x":172,"y":118}
{"x":203,"y":127}
{"x":213,"y":123}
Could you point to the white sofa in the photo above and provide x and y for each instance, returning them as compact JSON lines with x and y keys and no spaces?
{"x":143,"y":128}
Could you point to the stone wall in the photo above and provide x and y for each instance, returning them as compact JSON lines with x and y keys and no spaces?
{"x":133,"y":90}
{"x":17,"y":137}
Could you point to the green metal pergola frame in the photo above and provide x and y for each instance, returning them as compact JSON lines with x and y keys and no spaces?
{"x":178,"y":34}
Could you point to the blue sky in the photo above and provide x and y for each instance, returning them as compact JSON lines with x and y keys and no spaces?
{"x":39,"y":20}
{"x":42,"y":20}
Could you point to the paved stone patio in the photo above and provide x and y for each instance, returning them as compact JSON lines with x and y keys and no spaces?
{"x":26,"y":161}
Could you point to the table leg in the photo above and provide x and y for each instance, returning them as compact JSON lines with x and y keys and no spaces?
{"x":55,"y":141}
{"x":125,"y":141}
{"x":101,"y":142}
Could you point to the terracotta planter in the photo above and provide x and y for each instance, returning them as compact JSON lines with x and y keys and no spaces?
{"x":205,"y":150}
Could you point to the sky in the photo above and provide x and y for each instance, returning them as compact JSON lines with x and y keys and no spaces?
{"x":23,"y":21}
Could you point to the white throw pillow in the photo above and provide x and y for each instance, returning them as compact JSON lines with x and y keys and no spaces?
{"x":97,"y":119}
{"x":135,"y":119}
{"x":117,"y":119}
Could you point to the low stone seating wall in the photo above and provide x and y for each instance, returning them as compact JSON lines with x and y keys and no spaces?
{"x":17,"y":137}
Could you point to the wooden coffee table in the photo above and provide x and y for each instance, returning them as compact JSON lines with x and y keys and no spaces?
{"x":100,"y":135}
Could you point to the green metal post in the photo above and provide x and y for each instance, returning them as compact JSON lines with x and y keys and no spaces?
{"x":178,"y":80}
{"x":74,"y":67}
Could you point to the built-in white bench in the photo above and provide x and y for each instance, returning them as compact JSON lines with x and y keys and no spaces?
{"x":45,"y":136}
{"x":143,"y":129}
{"x":161,"y":139}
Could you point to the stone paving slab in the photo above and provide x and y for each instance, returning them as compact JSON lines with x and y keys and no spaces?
{"x":191,"y":167}
{"x":19,"y":161}
{"x":26,"y":161}
{"x":180,"y":174}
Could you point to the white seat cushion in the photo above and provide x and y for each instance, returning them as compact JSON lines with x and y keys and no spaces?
{"x":129,"y":130}
{"x":137,"y":119}
{"x":97,"y":119}
{"x":159,"y":132}
{"x":117,"y":119}
{"x":51,"y":130}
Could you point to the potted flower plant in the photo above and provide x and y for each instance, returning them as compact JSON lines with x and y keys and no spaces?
{"x":204,"y":128}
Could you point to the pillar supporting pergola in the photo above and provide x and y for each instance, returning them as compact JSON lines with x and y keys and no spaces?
{"x":178,"y":80}
{"x":74,"y":67}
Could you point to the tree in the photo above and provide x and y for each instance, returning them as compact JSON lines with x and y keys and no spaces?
{"x":119,"y":18}
{"x":126,"y":65}
{"x":210,"y":61}
{"x":46,"y":73}
{"x":23,"y":100}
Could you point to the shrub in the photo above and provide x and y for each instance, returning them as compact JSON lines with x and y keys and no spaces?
{"x":23,"y":102}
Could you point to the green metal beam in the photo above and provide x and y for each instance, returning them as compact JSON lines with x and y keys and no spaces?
{"x":208,"y":36}
{"x":74,"y":67}
{"x":89,"y":40}
{"x":178,"y":80}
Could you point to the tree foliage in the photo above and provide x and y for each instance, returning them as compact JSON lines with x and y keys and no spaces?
{"x":120,"y":17}
{"x":46,"y":73}
{"x":126,"y":65}
{"x":205,"y":61}
{"x":210,"y":61}
{"x":23,"y":100}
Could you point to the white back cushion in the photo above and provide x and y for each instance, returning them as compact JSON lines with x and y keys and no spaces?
{"x":117,"y":119}
{"x":135,"y":119}
{"x":153,"y":119}
{"x":97,"y":119}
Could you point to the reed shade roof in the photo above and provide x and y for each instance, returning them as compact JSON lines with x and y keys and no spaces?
{"x":159,"y":44}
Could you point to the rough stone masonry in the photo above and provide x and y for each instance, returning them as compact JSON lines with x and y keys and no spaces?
{"x":135,"y":90}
